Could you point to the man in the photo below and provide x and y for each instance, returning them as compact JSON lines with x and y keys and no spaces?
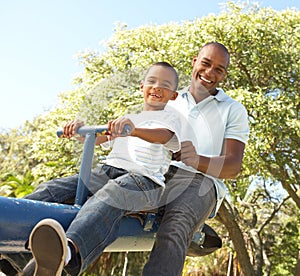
{"x":214,"y":140}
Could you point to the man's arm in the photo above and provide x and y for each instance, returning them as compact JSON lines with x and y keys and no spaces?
{"x":227,"y":165}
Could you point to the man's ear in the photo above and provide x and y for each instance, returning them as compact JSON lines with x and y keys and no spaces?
{"x":194,"y":60}
{"x":225,"y":75}
{"x":174,"y":96}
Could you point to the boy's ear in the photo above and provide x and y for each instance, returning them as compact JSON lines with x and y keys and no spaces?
{"x":141,"y":85}
{"x":174,"y":96}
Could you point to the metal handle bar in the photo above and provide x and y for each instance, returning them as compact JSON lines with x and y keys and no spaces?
{"x":90,"y":133}
{"x":96,"y":130}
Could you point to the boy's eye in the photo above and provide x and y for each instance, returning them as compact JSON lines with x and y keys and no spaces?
{"x":150,"y":81}
{"x":165,"y":85}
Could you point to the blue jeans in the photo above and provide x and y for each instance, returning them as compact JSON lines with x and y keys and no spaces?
{"x":188,"y":198}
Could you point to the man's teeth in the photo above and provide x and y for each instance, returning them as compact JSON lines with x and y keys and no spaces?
{"x":204,"y":79}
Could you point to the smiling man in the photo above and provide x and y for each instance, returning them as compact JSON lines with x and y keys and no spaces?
{"x":209,"y":69}
{"x":214,"y":133}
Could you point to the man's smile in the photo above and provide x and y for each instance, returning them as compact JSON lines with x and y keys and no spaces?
{"x":205,"y":80}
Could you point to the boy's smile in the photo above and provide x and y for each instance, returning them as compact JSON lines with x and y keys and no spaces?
{"x":158,"y":87}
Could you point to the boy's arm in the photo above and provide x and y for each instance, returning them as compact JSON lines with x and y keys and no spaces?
{"x":101,"y":139}
{"x":157,"y":135}
{"x":115,"y":128}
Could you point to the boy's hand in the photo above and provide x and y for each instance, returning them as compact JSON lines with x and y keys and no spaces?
{"x":70,"y":129}
{"x":116,"y":127}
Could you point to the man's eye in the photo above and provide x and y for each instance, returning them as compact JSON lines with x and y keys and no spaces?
{"x":220,"y":71}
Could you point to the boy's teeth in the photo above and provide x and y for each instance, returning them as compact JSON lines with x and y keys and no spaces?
{"x":155,"y":95}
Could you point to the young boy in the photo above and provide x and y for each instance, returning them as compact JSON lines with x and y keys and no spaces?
{"x":131,"y":180}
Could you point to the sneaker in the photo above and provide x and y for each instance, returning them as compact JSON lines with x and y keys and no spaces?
{"x":48,"y":244}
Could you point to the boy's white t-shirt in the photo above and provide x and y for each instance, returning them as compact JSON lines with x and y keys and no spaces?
{"x":138,"y":156}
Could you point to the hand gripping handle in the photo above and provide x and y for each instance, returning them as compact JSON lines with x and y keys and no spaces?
{"x":97,"y":130}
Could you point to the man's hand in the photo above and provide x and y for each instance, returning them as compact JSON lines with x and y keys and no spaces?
{"x":227,"y":165}
{"x":188,"y":155}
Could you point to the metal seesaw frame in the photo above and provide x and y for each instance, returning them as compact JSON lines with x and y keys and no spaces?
{"x":19,"y":216}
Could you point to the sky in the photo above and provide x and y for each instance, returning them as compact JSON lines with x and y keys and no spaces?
{"x":39,"y":41}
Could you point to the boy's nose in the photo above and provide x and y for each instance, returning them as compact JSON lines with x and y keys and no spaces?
{"x":157,"y":88}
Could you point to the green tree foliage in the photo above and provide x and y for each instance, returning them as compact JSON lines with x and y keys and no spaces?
{"x":17,"y":186}
{"x":263,"y":75}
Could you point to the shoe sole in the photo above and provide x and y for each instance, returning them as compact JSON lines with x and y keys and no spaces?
{"x":48,"y":245}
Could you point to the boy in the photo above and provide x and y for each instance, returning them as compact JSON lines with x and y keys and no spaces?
{"x":131,"y":180}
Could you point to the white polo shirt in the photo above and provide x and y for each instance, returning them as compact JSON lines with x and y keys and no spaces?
{"x":207,"y":124}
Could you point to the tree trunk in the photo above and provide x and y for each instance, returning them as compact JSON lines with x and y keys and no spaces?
{"x":297,"y":269}
{"x":258,"y":254}
{"x":267,"y":263}
{"x":290,"y":190}
{"x":227,"y":218}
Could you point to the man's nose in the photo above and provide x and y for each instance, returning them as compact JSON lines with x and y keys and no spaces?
{"x":210,"y":71}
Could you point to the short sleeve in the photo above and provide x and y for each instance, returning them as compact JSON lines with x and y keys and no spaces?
{"x":161,"y":119}
{"x":237,"y":125}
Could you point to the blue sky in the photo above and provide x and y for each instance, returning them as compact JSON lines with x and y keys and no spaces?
{"x":40,"y":38}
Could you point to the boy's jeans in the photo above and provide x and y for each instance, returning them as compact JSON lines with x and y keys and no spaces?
{"x":113,"y":193}
{"x":189,"y":200}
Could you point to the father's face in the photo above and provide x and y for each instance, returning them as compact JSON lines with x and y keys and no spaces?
{"x":210,"y":68}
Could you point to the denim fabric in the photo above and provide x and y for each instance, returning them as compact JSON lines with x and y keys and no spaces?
{"x":188,"y":200}
{"x":63,"y":190}
{"x":97,"y":223}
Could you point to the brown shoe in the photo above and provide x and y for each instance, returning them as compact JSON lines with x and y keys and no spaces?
{"x":48,"y":243}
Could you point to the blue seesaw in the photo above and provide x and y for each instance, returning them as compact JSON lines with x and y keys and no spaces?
{"x":19,"y":216}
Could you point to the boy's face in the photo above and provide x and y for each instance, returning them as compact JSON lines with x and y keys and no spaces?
{"x":158,"y":87}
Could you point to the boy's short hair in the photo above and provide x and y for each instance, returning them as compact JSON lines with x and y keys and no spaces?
{"x":166,"y":65}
